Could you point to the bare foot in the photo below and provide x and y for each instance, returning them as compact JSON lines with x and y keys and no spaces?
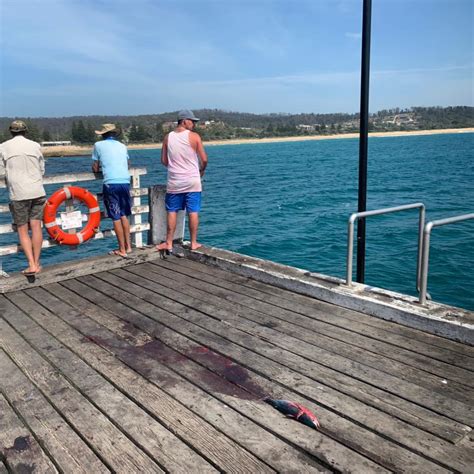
{"x":164,"y":246}
{"x":118,"y":253}
{"x":29,"y":271}
{"x":129,"y":250}
{"x":195,"y":246}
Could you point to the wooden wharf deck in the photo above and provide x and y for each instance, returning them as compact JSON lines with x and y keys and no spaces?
{"x":161,"y":366}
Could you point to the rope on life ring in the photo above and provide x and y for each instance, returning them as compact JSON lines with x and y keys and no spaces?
{"x":49,"y":216}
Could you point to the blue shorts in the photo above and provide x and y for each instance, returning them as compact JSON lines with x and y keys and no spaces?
{"x":117,"y":200}
{"x":180,"y":201}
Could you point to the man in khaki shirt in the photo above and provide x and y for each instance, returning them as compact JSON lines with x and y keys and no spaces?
{"x":22,"y":165}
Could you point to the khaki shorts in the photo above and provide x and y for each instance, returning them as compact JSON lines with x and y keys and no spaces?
{"x":27,"y":210}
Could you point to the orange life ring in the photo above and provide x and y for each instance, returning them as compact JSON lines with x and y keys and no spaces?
{"x":49,"y":216}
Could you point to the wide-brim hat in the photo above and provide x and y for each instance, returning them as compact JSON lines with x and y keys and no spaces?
{"x":106,"y":128}
{"x":18,"y":126}
{"x":187,"y":115}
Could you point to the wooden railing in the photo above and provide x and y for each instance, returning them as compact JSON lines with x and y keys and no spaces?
{"x":137,"y":227}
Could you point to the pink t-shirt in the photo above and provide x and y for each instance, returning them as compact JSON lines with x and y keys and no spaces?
{"x":183,"y":165}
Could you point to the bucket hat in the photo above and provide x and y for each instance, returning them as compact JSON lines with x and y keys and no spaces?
{"x":107,"y":127}
{"x":18,"y":126}
{"x":187,"y":115}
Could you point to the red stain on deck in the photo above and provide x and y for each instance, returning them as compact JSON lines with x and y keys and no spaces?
{"x":162,"y":353}
{"x":227,"y":372}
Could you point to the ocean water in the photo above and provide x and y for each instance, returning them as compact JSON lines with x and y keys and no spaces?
{"x":290,"y":202}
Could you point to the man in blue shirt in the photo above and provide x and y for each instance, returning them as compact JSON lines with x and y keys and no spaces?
{"x":112,"y":156}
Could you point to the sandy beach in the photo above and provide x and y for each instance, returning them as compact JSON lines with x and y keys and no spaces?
{"x":59,"y":151}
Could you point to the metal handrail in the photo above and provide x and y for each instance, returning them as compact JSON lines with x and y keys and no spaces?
{"x":387,"y":210}
{"x":426,"y":249}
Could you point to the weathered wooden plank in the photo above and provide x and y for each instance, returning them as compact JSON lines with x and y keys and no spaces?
{"x":48,"y":243}
{"x":18,"y":447}
{"x":159,"y":443}
{"x":145,"y":360}
{"x":299,"y":354}
{"x":208,"y":441}
{"x":76,"y":268}
{"x":340,"y":323}
{"x":403,"y":336}
{"x":69,"y":451}
{"x":332,"y":452}
{"x":320,"y":335}
{"x":378,"y":449}
{"x":106,"y":439}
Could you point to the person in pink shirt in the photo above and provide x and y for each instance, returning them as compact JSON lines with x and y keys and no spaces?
{"x":184,"y":156}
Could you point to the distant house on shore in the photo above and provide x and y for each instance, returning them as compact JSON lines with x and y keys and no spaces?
{"x":58,"y":143}
{"x":306,"y":128}
{"x":400,"y":119}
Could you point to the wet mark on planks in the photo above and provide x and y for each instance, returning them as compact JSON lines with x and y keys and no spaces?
{"x":134,"y":335}
{"x":220,"y":375}
{"x":25,"y":468}
{"x":21,"y":443}
{"x":145,"y":359}
{"x":226,"y":375}
{"x":163,"y":353}
{"x":269,"y":324}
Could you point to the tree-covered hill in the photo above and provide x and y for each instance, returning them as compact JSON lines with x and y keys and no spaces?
{"x":221,"y":124}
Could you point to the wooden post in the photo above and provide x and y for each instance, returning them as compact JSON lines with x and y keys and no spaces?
{"x":157,"y":217}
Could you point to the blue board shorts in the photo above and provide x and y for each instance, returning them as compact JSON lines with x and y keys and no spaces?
{"x":117,"y":200}
{"x":180,"y":201}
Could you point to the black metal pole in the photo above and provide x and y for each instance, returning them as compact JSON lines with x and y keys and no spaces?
{"x":364,"y":137}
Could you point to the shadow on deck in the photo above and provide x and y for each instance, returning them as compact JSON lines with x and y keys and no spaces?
{"x":161,"y":365}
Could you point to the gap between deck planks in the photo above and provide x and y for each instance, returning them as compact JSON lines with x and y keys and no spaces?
{"x":203,"y":437}
{"x":108,"y":442}
{"x":145,"y":431}
{"x":140,"y":338}
{"x":261,"y":442}
{"x":329,"y":360}
{"x":18,"y":446}
{"x":83,"y":344}
{"x":64,"y":446}
{"x":414,"y":339}
{"x":136,"y":303}
{"x":321,"y":334}
{"x":391,"y":334}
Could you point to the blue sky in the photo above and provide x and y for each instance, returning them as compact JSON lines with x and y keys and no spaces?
{"x":84,"y":57}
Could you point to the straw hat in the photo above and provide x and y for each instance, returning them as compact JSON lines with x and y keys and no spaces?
{"x":107,"y":127}
{"x":18,"y":126}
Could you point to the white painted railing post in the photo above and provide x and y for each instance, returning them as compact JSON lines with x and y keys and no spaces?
{"x":137,"y":238}
{"x":137,"y":225}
